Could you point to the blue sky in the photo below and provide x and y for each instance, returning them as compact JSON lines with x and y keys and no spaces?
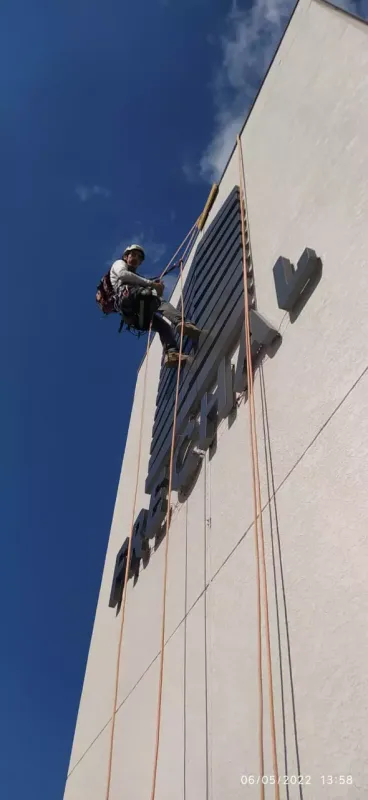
{"x":115,"y":118}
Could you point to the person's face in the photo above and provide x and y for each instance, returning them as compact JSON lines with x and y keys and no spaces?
{"x":133,"y":259}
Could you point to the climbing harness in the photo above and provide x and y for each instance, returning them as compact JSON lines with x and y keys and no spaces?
{"x":137,"y":321}
{"x":136,"y":306}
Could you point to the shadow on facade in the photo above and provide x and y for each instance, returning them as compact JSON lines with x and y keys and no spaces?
{"x":306,"y":294}
{"x":184,"y":494}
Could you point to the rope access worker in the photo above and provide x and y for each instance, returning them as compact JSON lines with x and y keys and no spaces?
{"x":126,"y":288}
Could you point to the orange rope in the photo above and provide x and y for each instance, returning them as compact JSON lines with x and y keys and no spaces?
{"x":126,"y":578}
{"x":192,"y":233}
{"x":250,"y":394}
{"x":258,"y":514}
{"x":168,"y":520}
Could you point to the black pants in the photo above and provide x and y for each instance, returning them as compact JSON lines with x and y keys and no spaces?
{"x":164,"y":330}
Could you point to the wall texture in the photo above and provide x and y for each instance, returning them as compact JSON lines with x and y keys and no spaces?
{"x":306,"y":164}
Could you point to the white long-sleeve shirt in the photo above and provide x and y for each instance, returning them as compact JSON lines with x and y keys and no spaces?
{"x":120,"y":275}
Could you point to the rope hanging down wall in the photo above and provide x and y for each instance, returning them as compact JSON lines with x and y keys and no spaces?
{"x":168,"y":520}
{"x":258,"y":518}
{"x":258,"y":523}
{"x":191,"y":236}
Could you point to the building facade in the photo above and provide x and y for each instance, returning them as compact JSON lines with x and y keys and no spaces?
{"x":305,"y":146}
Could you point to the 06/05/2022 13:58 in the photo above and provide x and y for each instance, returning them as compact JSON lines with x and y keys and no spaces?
{"x":327,"y":780}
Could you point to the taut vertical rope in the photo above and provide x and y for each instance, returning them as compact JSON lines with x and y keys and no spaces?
{"x":168,"y":520}
{"x":191,"y":235}
{"x":257,"y":508}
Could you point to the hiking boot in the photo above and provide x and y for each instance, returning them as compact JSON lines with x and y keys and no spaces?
{"x":189,"y":329}
{"x":172,"y":358}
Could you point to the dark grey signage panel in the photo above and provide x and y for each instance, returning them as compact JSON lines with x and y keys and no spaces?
{"x":227,"y":328}
{"x":215,"y":284}
{"x":207,"y":271}
{"x":201,"y":360}
{"x":211,"y":306}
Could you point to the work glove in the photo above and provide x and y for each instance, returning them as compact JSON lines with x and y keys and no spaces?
{"x":159,"y":287}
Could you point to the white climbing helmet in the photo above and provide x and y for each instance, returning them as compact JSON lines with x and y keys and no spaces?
{"x":134,"y":247}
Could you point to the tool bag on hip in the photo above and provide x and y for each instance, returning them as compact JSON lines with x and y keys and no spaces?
{"x":137,"y":306}
{"x":105,"y":297}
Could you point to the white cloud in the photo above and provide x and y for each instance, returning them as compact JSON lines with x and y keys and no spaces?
{"x":155,"y":250}
{"x":86,"y":193}
{"x":215,"y":157}
{"x":247,"y":47}
{"x":250,"y":39}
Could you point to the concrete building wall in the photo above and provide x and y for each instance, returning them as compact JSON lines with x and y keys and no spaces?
{"x":306,"y":164}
